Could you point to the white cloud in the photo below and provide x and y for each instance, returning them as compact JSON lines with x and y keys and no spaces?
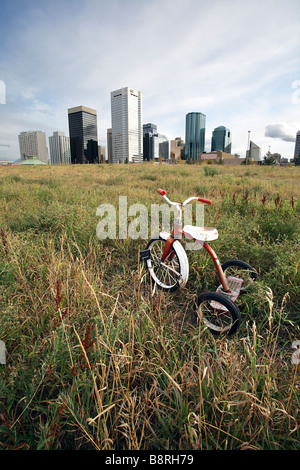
{"x":282,"y":131}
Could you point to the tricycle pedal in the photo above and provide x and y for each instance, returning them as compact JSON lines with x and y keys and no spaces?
{"x":144,"y":255}
{"x":234,"y":284}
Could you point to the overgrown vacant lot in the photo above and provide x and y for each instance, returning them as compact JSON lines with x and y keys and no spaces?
{"x":96,"y":361}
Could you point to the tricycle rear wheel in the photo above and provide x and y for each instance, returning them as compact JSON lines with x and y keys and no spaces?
{"x":218,"y":313}
{"x":241,"y":270}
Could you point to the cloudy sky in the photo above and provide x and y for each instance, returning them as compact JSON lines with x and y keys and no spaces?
{"x":235,"y":61}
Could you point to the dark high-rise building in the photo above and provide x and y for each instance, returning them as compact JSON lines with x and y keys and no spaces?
{"x":221,"y":139}
{"x":148,"y":131}
{"x":297,"y":148}
{"x":155,"y":145}
{"x":83,"y":135}
{"x":194,"y":135}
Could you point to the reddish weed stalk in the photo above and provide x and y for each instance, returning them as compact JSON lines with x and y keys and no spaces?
{"x":58,"y":300}
{"x":4,"y":423}
{"x":156,"y":311}
{"x":156,"y":307}
{"x":54,"y":428}
{"x":59,"y":297}
{"x":278,"y":201}
{"x":86,"y":342}
{"x":4,"y":243}
{"x":86,"y":345}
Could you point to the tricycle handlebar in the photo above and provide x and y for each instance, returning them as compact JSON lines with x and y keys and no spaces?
{"x":162,"y":192}
{"x":206,"y":201}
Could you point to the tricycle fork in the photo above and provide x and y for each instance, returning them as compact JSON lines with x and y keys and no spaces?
{"x":218,"y":266}
{"x":168,"y":246}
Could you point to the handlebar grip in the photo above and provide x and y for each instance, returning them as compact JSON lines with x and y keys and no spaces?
{"x":162,"y":192}
{"x":206,"y":201}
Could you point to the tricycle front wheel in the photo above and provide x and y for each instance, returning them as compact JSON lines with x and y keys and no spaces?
{"x":171,"y":273}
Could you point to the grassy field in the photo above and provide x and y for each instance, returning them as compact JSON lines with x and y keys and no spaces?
{"x":95,"y":361}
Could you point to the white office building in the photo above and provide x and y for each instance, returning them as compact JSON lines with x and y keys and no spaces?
{"x":127,"y":127}
{"x":254,"y":153}
{"x":59,"y":146}
{"x":33,"y":143}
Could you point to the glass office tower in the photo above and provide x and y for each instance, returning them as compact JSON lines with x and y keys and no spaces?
{"x":148,"y":131}
{"x":297,"y":148}
{"x":83,"y":135}
{"x":194,"y":135}
{"x":221,"y":139}
{"x":155,"y":145}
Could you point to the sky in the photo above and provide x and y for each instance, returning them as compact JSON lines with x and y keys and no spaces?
{"x":236,"y":62}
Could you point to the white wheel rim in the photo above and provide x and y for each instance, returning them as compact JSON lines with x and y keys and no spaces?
{"x":208,"y":306}
{"x":165,"y":272}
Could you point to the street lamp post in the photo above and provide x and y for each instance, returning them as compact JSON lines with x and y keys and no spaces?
{"x":248,"y":149}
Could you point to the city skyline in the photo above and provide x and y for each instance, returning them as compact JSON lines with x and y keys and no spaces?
{"x":221,"y":138}
{"x":237,"y":63}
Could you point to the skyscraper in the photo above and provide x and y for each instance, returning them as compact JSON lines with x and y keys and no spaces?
{"x":194,"y":135}
{"x":83,"y":135}
{"x":297,"y":148}
{"x":59,"y":146}
{"x":109,"y":145}
{"x":33,"y":143}
{"x":127,"y":128}
{"x":221,"y":139}
{"x":155,"y":145}
{"x":148,"y":131}
{"x":254,"y":153}
{"x":160,"y":146}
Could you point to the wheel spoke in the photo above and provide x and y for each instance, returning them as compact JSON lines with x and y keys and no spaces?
{"x":218,"y":313}
{"x":169,"y":268}
{"x":215,"y":318}
{"x":241,"y":270}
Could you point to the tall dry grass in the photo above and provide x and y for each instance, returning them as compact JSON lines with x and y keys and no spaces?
{"x":96,"y":361}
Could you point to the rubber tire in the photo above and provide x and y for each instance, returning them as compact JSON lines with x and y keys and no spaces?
{"x":183,"y":265}
{"x":240,"y":264}
{"x":231,"y":307}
